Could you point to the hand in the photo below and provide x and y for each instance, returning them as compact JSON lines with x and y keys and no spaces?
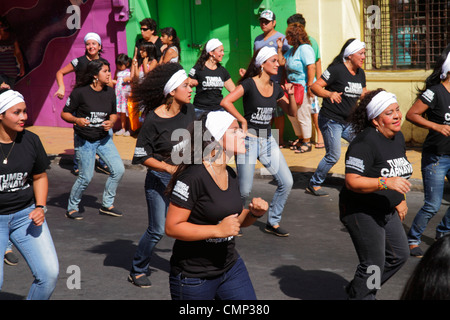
{"x":258,"y":207}
{"x":280,"y":42}
{"x":244,"y":126}
{"x":107,"y":124}
{"x":171,"y":169}
{"x":309,"y":93}
{"x":82,"y":122}
{"x":444,"y":129}
{"x":60,"y":93}
{"x":398,"y":184}
{"x":38,"y":216}
{"x":4,"y":85}
{"x":335,"y":97}
{"x":229,"y":226}
{"x":288,"y":87}
{"x":242,"y":72}
{"x":402,"y":210}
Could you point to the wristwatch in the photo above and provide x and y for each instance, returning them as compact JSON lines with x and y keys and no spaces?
{"x":43,"y":208}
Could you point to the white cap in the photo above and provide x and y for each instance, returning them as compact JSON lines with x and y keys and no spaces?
{"x":268,"y":15}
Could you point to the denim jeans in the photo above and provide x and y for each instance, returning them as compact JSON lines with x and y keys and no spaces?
{"x":379,"y":241}
{"x":434,"y":170}
{"x":267,"y":151}
{"x":85,"y":152}
{"x":235,"y":284}
{"x":36,"y":246}
{"x":157,"y":205}
{"x":332,"y":132}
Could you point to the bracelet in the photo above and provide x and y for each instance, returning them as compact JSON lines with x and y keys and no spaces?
{"x":255,"y":216}
{"x":382,"y":183}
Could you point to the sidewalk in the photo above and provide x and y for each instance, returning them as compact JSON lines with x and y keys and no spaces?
{"x":59,"y":142}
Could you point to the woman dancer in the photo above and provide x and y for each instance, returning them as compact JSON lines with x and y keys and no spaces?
{"x":23,"y":196}
{"x":260,"y":97}
{"x":165,"y":96}
{"x":373,"y":201}
{"x":206,"y":213}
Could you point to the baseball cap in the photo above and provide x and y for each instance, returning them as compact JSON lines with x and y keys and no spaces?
{"x":268,"y":15}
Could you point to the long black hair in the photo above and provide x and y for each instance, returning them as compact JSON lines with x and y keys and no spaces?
{"x":149,"y":48}
{"x":92,"y":69}
{"x":435,"y":77}
{"x":252,"y":69}
{"x":169,"y":31}
{"x":148,"y":93}
{"x":204,"y":56}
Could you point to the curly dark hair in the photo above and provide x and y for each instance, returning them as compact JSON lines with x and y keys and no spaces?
{"x":358,"y":117}
{"x":92,"y":69}
{"x":148,"y":93}
{"x":296,"y":35}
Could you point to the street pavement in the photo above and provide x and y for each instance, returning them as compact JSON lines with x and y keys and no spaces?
{"x":315,"y":262}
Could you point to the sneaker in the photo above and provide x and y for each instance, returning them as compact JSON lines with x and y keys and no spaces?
{"x":110,"y":212}
{"x":120,"y":132}
{"x":11,"y":259}
{"x":276,"y":231}
{"x":142,"y":281}
{"x":75,"y":215}
{"x":415,"y":251}
{"x":317,"y":193}
{"x":126,"y":134}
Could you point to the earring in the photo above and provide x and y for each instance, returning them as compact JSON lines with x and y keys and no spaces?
{"x":95,"y":81}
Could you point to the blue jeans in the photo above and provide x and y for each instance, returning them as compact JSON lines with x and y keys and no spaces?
{"x":157,"y":205}
{"x":85,"y":152}
{"x":434,"y":170}
{"x":332,"y":132}
{"x":267,"y":151}
{"x":235,"y":284}
{"x":36,"y":246}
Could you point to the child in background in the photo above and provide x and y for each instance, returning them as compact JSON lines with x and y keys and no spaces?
{"x":123,"y":87}
{"x":144,"y":60}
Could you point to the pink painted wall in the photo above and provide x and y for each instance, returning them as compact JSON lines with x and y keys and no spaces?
{"x":57,"y":50}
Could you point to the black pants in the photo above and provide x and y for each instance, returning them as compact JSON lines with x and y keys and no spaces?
{"x":382,"y":248}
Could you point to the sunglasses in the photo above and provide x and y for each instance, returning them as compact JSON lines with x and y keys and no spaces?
{"x":145,"y":29}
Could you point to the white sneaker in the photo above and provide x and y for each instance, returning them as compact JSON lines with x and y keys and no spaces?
{"x":120,"y":132}
{"x":126,"y":134}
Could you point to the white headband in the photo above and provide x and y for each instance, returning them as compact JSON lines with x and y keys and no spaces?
{"x":174,"y":82}
{"x":213,"y":44}
{"x":9,"y":99}
{"x":264,"y":54}
{"x":379,"y":103}
{"x":92,"y":36}
{"x":445,"y":67}
{"x":353,"y":47}
{"x":217,"y":122}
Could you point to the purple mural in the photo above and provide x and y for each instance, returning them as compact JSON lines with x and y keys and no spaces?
{"x":50,"y":34}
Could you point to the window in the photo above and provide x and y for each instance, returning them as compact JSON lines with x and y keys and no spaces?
{"x":405,"y":34}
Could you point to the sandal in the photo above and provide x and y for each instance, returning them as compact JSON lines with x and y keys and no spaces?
{"x":320,"y":145}
{"x":302,"y":150}
{"x":293,"y":144}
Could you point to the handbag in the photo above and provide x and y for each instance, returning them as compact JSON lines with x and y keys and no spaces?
{"x":299,"y":93}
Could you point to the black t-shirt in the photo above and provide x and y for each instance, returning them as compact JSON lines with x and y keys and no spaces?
{"x":79,"y":65}
{"x":339,"y":79}
{"x":208,"y":94}
{"x":155,"y":137}
{"x":437,"y":98}
{"x":96,"y":106}
{"x":26,"y":159}
{"x":258,"y":110}
{"x":197,"y":191}
{"x":373,"y":155}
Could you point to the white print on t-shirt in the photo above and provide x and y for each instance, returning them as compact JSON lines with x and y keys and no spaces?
{"x":262,"y":116}
{"x":96,"y":119}
{"x":428,"y":95}
{"x":181,"y":190}
{"x":140,"y":152}
{"x":12,"y":182}
{"x":219,"y":240}
{"x":355,"y":163}
{"x":212,"y":83}
{"x":399,"y":167}
{"x":354,"y":89}
{"x":326,"y":74}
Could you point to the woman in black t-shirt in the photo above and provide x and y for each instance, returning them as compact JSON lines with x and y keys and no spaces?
{"x":260,"y":98}
{"x":210,"y":77}
{"x":341,"y":85}
{"x":206,"y":213}
{"x":165,"y":97}
{"x":434,"y":101}
{"x":91,"y":107}
{"x":372,"y":202}
{"x":23,"y":196}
